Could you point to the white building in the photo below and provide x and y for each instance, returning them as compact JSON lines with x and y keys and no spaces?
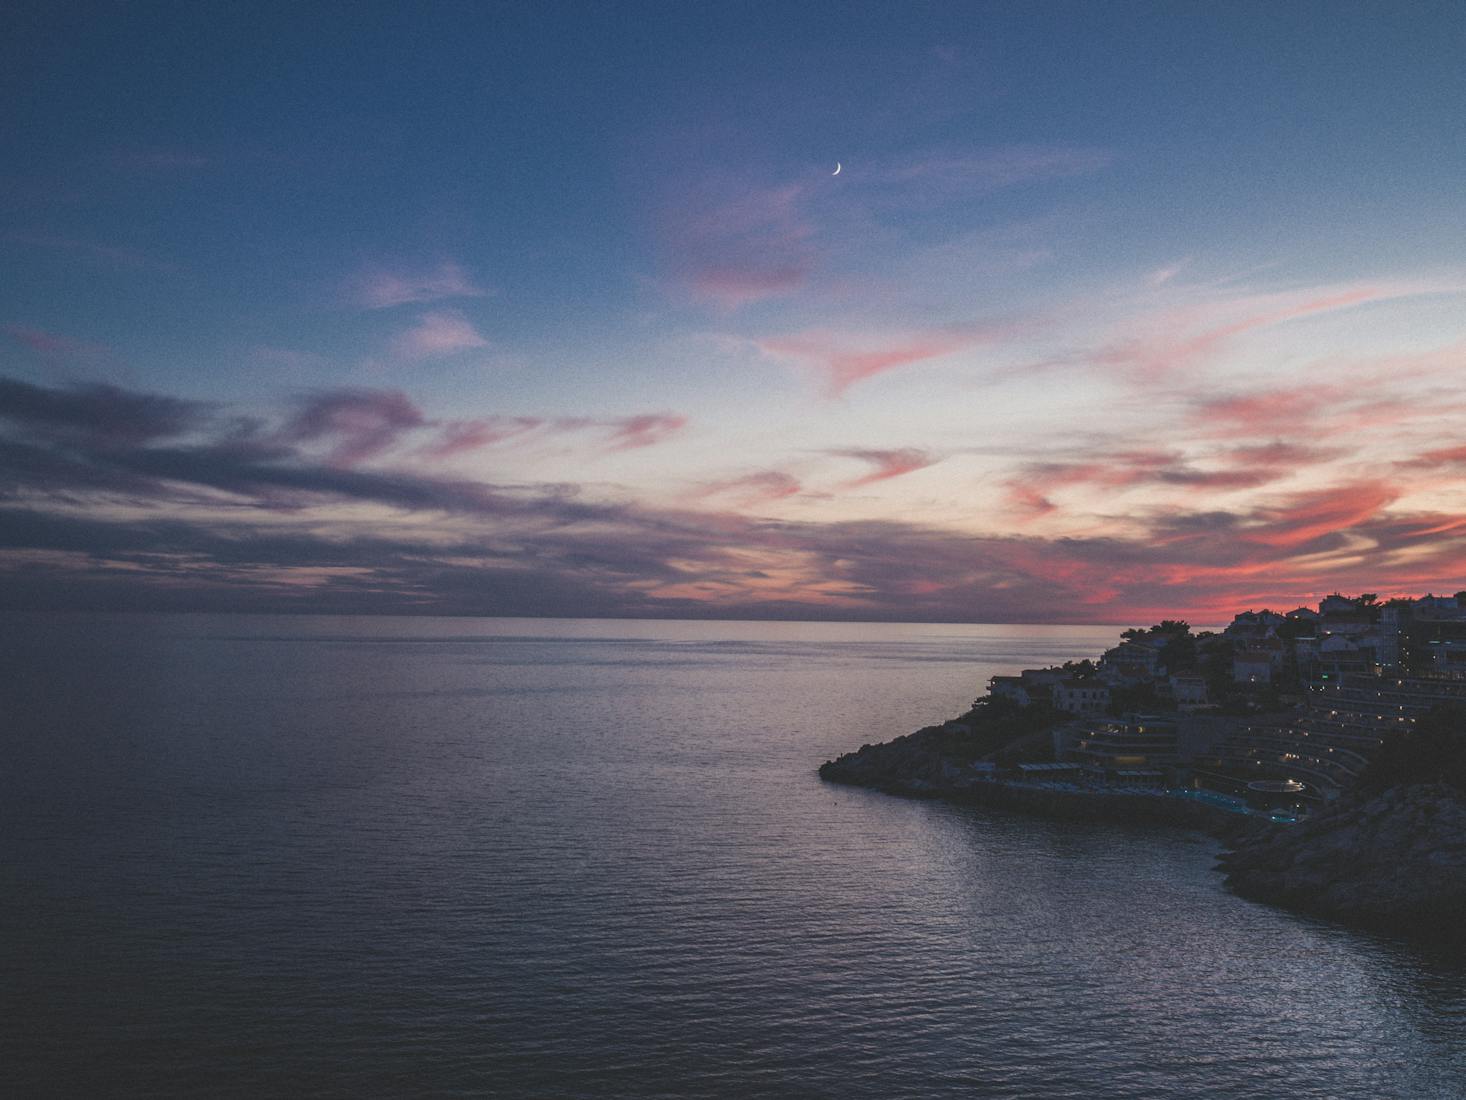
{"x":1081,"y":696}
{"x":1010,"y":687}
{"x":1188,"y":689}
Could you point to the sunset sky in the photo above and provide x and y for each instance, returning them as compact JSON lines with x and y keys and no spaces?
{"x":1114,"y":311}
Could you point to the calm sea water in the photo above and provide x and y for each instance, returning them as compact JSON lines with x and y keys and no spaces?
{"x":396,"y":857}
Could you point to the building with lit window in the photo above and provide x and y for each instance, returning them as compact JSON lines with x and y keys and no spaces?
{"x":1342,"y":723}
{"x":1137,"y":750}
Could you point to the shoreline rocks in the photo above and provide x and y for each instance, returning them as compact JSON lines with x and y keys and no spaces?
{"x":913,"y":766}
{"x":1395,"y":862}
{"x":906,"y":765}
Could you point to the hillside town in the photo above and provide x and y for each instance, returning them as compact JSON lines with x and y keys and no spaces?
{"x":1277,"y":713}
{"x":1326,"y":747}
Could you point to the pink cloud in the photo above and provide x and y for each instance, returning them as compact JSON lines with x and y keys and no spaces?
{"x":1341,"y":537}
{"x":458,"y":437}
{"x":623,"y":433}
{"x":624,"y":556}
{"x":379,"y":288}
{"x":1308,"y":516}
{"x":645,"y":430}
{"x":1277,"y":411}
{"x":844,"y":360}
{"x":1176,"y":344}
{"x":57,"y":348}
{"x":1031,"y":499}
{"x":1444,"y":456}
{"x":739,"y":246}
{"x":1320,"y":409}
{"x":1030,"y":491}
{"x":437,"y":335}
{"x":1279,"y":455}
{"x":758,"y":488}
{"x":361,"y":423}
{"x":733,"y":241}
{"x":888,"y":464}
{"x":732,"y":284}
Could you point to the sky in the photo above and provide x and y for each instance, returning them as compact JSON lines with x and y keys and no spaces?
{"x":1112,"y":312}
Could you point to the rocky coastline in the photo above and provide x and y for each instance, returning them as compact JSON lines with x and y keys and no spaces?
{"x":916,"y":766}
{"x":1393,"y":862}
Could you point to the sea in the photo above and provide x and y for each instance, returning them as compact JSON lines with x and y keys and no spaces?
{"x":248,"y":856}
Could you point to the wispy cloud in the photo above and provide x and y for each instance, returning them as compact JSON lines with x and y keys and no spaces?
{"x":58,"y":349}
{"x":750,"y":490}
{"x":383,"y":288}
{"x":437,"y":335}
{"x":1361,"y":406}
{"x":1182,"y":339}
{"x":887,"y":464}
{"x":737,"y":246}
{"x":96,"y":414}
{"x":113,"y":498}
{"x":1162,"y":275}
{"x":844,"y":359}
{"x":458,"y":437}
{"x":735,"y":240}
{"x":630,"y":433}
{"x":625,"y":433}
{"x":1307,"y":517}
{"x":618,"y":433}
{"x":340,"y":428}
{"x":357,"y":424}
{"x":1441,"y":456}
{"x":1032,"y":488}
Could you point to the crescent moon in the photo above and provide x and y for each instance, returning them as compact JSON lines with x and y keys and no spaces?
{"x":836,"y":172}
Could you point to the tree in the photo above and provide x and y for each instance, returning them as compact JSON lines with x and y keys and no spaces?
{"x":1136,"y":698}
{"x":1180,"y":645}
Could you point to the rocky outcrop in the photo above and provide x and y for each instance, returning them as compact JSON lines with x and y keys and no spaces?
{"x":917,"y":765}
{"x":1394,"y":862}
{"x":914,"y":764}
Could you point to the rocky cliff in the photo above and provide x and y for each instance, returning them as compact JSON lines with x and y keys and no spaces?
{"x":913,"y":764}
{"x":1395,"y":861}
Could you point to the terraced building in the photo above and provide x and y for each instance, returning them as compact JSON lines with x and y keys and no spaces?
{"x":1337,"y":729}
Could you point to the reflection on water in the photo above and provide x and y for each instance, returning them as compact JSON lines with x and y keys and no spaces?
{"x":256,"y":856}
